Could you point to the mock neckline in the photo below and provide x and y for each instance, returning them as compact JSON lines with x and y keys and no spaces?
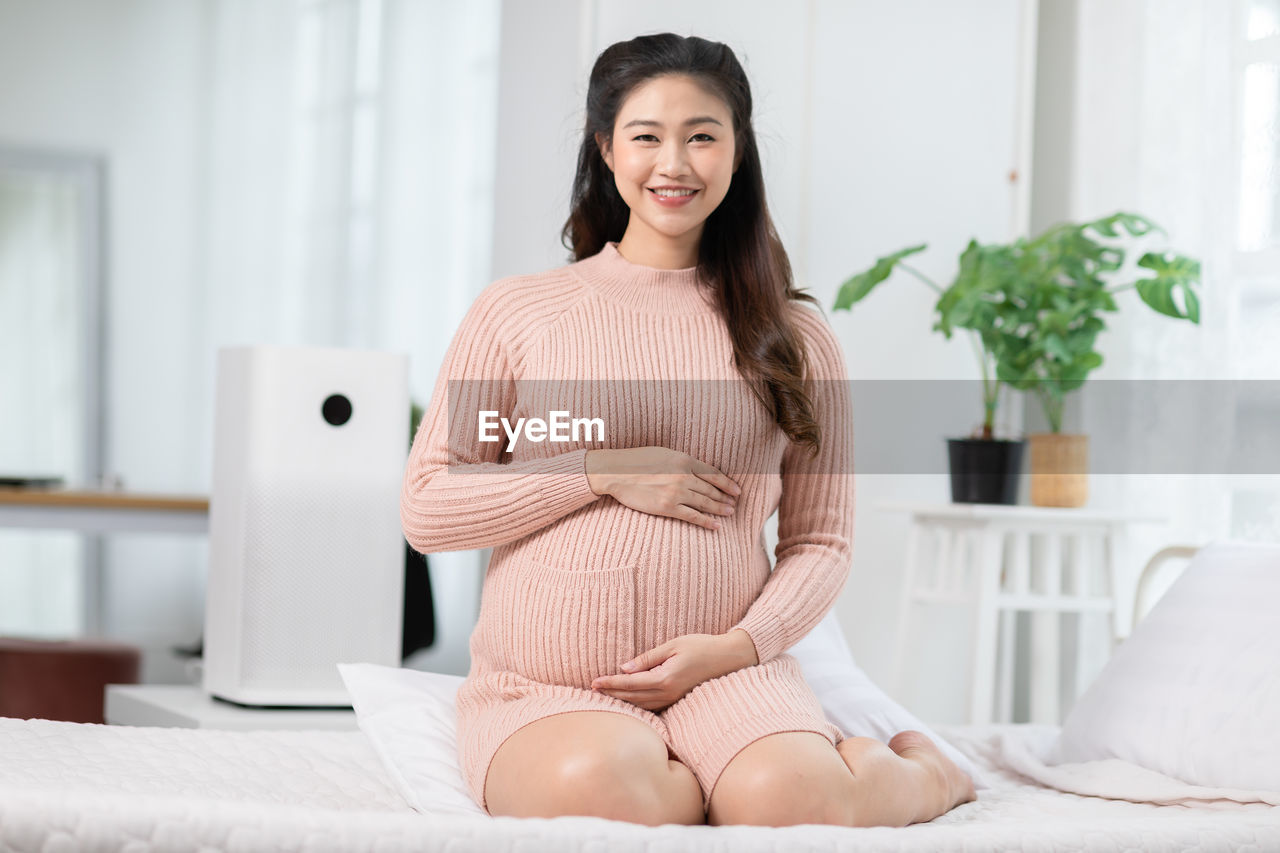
{"x":647,"y":289}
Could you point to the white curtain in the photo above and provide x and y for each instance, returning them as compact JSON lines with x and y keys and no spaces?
{"x":1179,"y":131}
{"x":351,"y":173}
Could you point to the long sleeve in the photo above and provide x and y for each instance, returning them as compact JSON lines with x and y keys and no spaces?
{"x":815,"y":510}
{"x":458,"y":492}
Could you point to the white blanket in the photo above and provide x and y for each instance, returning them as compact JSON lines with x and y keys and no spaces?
{"x":1032,"y":753}
{"x":67,"y":786}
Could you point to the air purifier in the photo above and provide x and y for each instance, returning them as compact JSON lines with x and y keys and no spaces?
{"x":306,"y":552}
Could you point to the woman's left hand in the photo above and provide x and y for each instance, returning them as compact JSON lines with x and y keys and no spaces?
{"x":662,"y":675}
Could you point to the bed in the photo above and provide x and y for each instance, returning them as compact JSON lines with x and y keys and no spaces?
{"x":1172,"y":748}
{"x":71,"y":786}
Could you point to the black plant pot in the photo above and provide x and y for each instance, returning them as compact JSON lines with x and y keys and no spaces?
{"x":985,"y":471}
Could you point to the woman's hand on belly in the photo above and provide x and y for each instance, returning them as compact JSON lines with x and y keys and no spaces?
{"x":661,"y":481}
{"x":658,"y":678}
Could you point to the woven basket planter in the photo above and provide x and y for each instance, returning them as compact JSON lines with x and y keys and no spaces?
{"x":1059,"y":469}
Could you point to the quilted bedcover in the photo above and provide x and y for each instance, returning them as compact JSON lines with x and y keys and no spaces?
{"x":68,"y":786}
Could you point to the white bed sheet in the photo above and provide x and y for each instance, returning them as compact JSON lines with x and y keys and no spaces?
{"x":68,"y":786}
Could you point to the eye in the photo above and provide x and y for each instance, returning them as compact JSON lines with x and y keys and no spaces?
{"x":644,"y":136}
{"x":705,"y":136}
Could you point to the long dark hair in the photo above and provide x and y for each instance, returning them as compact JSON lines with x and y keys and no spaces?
{"x":740,"y":254}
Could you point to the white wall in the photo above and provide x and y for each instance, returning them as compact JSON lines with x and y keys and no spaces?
{"x":123,"y":79}
{"x":538,"y":130}
{"x":913,"y":142}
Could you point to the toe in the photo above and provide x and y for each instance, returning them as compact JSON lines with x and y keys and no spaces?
{"x":910,"y":739}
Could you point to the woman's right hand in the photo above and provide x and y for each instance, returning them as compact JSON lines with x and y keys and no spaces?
{"x":661,"y":481}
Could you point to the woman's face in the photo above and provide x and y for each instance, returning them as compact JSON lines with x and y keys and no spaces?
{"x":672,"y":157}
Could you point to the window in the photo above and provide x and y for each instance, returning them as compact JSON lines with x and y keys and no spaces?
{"x":1258,"y":77}
{"x":1255,"y":510}
{"x":339,"y":79}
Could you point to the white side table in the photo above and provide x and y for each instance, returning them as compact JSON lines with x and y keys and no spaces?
{"x":189,"y":707}
{"x":1003,"y":559}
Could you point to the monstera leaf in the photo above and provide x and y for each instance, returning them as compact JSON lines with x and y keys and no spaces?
{"x":858,"y":286}
{"x":1173,"y":273}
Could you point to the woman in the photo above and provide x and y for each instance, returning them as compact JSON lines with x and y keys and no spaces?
{"x":629,"y":659}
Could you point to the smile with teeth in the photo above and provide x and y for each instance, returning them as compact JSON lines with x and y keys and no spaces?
{"x":672,"y":193}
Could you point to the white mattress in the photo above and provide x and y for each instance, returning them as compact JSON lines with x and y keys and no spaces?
{"x":67,"y":786}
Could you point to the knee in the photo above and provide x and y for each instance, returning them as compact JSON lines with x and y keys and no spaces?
{"x":775,"y":796}
{"x":627,"y":780}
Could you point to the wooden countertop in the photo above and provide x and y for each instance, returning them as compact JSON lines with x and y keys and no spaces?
{"x":102,"y":500}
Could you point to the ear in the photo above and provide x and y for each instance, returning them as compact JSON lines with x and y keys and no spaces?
{"x":606,"y":150}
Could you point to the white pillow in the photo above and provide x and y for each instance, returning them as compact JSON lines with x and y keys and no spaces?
{"x":410,"y":717}
{"x":1194,"y":693}
{"x":852,"y":701}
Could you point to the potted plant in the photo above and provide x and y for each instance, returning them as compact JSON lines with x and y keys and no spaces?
{"x":1032,"y":309}
{"x":1047,"y":319}
{"x":984,"y":469}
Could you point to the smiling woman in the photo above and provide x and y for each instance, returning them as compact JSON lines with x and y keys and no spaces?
{"x":629,"y":660}
{"x":670,"y":178}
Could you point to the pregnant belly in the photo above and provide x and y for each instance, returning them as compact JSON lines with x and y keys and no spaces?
{"x":561,"y":623}
{"x":555,"y":624}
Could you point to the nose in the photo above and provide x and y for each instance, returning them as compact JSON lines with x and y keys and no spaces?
{"x":672,"y":162}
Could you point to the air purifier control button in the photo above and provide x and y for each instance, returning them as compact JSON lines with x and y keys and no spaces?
{"x":336,"y":409}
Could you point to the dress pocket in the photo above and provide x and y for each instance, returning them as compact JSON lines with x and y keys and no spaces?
{"x":556,"y":625}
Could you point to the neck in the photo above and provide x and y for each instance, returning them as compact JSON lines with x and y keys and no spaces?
{"x":646,"y":289}
{"x":646,"y":247}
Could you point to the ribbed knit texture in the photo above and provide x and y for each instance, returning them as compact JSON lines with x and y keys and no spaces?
{"x":577,"y":583}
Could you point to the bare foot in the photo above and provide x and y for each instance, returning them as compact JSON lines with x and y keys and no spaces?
{"x":956,"y":784}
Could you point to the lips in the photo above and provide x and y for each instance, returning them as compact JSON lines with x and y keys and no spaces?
{"x":673,"y":200}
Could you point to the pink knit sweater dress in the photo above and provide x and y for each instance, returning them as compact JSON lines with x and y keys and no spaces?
{"x":579,"y":583}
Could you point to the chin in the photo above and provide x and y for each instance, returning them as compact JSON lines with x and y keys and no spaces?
{"x":674,"y":231}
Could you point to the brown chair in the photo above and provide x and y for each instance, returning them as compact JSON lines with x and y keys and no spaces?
{"x":62,"y":679}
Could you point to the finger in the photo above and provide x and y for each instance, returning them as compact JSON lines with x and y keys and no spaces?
{"x":702,"y":487}
{"x":649,"y":659}
{"x":694,"y":483}
{"x":650,"y":694}
{"x":706,"y":504}
{"x":648,"y":701}
{"x":692,"y":516}
{"x":639,"y":681}
{"x":715,"y":478}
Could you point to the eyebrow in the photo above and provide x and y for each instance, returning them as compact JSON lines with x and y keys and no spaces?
{"x":646,"y":122}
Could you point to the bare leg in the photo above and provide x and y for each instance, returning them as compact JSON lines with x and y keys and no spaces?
{"x":783,"y":780}
{"x":796,"y":777}
{"x":595,"y":763}
{"x":908,"y":781}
